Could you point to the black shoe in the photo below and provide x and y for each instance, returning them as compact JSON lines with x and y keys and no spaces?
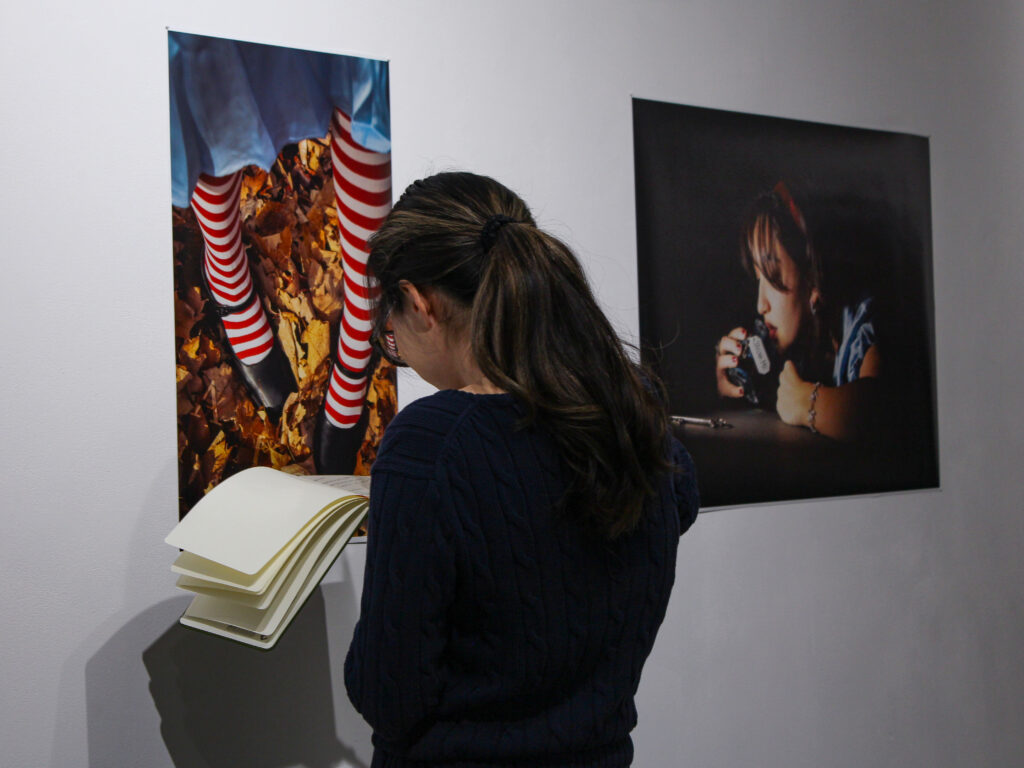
{"x":269,"y":381}
{"x":336,"y":450}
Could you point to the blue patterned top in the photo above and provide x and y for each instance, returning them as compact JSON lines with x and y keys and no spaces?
{"x":858,"y":338}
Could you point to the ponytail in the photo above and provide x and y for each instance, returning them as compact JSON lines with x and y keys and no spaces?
{"x":536,"y":331}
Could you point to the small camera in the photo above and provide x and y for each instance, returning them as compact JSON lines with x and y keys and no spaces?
{"x":757,"y":371}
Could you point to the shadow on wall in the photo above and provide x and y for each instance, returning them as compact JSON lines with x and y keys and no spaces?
{"x":221,"y":703}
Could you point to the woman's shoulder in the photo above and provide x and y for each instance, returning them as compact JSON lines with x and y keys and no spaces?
{"x":418,"y":435}
{"x":444,"y":410}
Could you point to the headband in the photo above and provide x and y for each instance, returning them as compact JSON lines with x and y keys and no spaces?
{"x":787,"y":199}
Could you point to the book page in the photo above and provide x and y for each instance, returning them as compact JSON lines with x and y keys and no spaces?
{"x":357,"y":484}
{"x":193,"y":566}
{"x":248,"y":518}
{"x":207,"y":573}
{"x":268,"y":581}
{"x":350,"y":483}
{"x":257,"y":627}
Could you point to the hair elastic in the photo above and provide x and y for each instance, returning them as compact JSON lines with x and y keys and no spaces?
{"x":489,"y":233}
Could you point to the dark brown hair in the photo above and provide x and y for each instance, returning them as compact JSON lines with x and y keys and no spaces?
{"x":773,"y":217}
{"x":777,"y":217}
{"x":536,"y":331}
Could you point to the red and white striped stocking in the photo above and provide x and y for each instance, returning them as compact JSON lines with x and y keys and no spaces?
{"x":362,"y":189}
{"x":215,"y":201}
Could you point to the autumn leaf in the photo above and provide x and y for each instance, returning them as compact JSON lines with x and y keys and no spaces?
{"x":327,"y":288}
{"x":278,"y":248}
{"x":288,"y":331}
{"x":188,"y":310}
{"x":220,"y":396}
{"x":215,"y":460}
{"x":314,"y":227}
{"x":317,"y":340}
{"x":196,"y":428}
{"x":274,"y":217}
{"x":298,"y":419}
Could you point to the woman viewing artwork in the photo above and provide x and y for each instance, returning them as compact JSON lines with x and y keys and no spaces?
{"x":524,"y":519}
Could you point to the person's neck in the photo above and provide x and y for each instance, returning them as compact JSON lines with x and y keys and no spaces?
{"x":484,"y":387}
{"x":472,"y":379}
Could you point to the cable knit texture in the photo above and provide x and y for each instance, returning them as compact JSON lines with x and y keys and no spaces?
{"x":494,"y":632}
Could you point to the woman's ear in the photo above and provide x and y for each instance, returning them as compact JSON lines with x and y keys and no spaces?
{"x":815,"y":301}
{"x":418,"y":307}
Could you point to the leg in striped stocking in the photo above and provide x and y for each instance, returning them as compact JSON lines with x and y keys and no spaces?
{"x":362,"y":187}
{"x":261,"y":363}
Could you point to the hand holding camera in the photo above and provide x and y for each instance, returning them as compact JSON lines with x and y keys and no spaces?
{"x":728,"y":352}
{"x":748,"y":366}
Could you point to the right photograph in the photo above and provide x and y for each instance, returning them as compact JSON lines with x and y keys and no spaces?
{"x":786,"y":301}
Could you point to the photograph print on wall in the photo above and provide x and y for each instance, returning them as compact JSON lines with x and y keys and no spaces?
{"x":281,"y":170}
{"x":786,"y":301}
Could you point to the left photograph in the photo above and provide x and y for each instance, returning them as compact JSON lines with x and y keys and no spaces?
{"x":280,"y":173}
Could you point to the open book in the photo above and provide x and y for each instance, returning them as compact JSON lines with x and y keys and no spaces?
{"x":257,"y":545}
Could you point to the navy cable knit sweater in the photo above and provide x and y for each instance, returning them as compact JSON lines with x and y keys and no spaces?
{"x":493,"y":632}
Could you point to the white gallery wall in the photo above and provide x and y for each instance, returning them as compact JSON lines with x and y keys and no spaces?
{"x":872,"y":631}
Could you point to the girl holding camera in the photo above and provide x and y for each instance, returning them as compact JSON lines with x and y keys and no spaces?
{"x":831,"y":362}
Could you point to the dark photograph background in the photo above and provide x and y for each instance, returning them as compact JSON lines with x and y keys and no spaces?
{"x":865,"y":197}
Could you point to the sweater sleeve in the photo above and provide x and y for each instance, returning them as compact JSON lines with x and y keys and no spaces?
{"x":684,"y":484}
{"x":393,"y":672}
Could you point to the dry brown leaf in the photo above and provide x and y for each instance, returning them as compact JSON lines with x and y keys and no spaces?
{"x":298,"y":304}
{"x":215,"y":460}
{"x":291,"y":433}
{"x":197,"y":353}
{"x":251,"y":422}
{"x":279,"y":457}
{"x":263,"y":273}
{"x":315,"y":227}
{"x":184,"y":399}
{"x":314,"y":268}
{"x":298,"y":419}
{"x":188,"y":310}
{"x":317,"y":339}
{"x":332,"y":235}
{"x":278,"y":248}
{"x":288,"y":333}
{"x":254,"y":183}
{"x":310,"y":154}
{"x":274,"y":216}
{"x":328,"y":290}
{"x":189,"y":350}
{"x":196,"y":429}
{"x":221,"y":395}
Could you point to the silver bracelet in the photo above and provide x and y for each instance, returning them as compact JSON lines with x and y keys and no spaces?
{"x":811,"y":413}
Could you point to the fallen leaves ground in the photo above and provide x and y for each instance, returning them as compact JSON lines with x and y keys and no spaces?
{"x":290,"y":231}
